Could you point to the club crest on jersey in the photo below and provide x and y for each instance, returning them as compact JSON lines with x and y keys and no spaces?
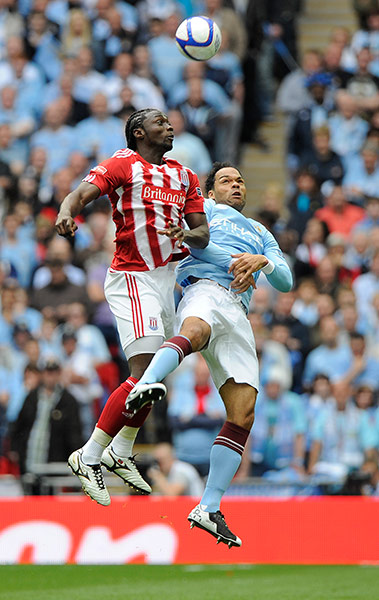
{"x":166,"y":195}
{"x":153,"y":323}
{"x":184,"y":178}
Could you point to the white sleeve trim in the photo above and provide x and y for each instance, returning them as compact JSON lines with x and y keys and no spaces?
{"x":268,"y":269}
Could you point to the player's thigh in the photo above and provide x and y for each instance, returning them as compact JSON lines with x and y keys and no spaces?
{"x":199,"y":304}
{"x":136,"y":305}
{"x":231,"y":352}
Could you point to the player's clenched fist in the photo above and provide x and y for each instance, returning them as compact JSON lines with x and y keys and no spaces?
{"x":65,"y":226}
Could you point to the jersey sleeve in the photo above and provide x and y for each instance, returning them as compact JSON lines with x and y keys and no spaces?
{"x":280,"y":276}
{"x":194,"y":199}
{"x":108,"y":175}
{"x":213,"y":254}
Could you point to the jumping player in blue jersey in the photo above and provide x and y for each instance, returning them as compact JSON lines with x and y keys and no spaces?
{"x":218,"y":282}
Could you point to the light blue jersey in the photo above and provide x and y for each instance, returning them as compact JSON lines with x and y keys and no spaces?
{"x":233,"y":233}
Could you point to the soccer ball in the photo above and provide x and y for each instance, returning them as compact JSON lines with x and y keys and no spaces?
{"x":198,"y":38}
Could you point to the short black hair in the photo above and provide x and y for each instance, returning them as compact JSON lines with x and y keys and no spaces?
{"x":210,"y":181}
{"x":135,"y":121}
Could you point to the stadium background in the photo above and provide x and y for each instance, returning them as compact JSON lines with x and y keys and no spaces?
{"x":60,"y":115}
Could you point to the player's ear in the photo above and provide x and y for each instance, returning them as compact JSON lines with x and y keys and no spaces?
{"x":139,"y":133}
{"x":211,"y":194}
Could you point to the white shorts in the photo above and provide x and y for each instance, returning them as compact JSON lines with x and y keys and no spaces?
{"x":143,"y":305}
{"x":231,"y":351}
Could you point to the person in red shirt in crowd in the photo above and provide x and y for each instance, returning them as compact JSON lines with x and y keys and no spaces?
{"x":150,"y":194}
{"x":338,"y":214}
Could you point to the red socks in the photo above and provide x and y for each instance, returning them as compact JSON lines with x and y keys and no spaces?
{"x":113,"y":416}
{"x":232,"y":436}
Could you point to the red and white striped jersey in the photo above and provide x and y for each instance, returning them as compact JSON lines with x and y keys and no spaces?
{"x":144,"y":198}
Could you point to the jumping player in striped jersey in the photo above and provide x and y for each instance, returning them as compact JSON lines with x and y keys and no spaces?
{"x":218,"y":283}
{"x":148,"y":193}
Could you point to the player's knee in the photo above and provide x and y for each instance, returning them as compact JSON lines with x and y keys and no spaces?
{"x":197,"y":331}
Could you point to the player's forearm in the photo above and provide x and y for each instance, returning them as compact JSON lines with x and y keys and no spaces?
{"x":280,"y":278}
{"x":197,"y":237}
{"x":72,"y":204}
{"x":76,"y":200}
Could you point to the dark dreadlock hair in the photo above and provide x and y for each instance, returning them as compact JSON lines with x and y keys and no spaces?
{"x":135,"y":121}
{"x":210,"y":181}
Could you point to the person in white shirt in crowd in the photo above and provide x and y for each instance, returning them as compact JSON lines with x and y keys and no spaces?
{"x":80,"y":378}
{"x":173,"y":477}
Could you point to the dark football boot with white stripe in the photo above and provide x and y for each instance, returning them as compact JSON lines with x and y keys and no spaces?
{"x":214,"y":523}
{"x":126,"y":469}
{"x":144,"y":393}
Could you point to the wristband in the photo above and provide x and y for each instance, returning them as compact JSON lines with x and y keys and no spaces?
{"x":268,"y":269}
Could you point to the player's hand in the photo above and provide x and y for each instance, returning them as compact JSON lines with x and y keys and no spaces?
{"x":174,"y":232}
{"x":243,"y":267}
{"x":65,"y":226}
{"x":239,"y":287}
{"x":245,"y":264}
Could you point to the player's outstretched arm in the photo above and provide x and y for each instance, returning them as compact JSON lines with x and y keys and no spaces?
{"x":277,"y":271}
{"x":72,"y":205}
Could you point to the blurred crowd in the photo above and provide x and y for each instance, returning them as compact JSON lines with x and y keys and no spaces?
{"x":70,"y":75}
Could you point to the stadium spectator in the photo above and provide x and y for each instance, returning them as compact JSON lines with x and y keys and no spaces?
{"x":278,"y":441}
{"x":89,"y":338}
{"x":188,"y":148}
{"x":338,"y":214}
{"x":53,"y":298}
{"x":367,"y":285}
{"x":361,"y":368}
{"x":171,"y":476}
{"x":80,"y":378}
{"x":76,"y":34}
{"x":293,"y":94}
{"x":56,"y":138}
{"x":309,"y":118}
{"x":321,"y":160}
{"x":305,"y":200}
{"x":362,"y":174}
{"x":362,"y":85}
{"x":339,"y":440}
{"x":88,"y":81}
{"x":320,"y":393}
{"x":100,"y":135}
{"x":201,"y":118}
{"x":12,"y":151}
{"x":42,"y":44}
{"x":330,"y":357}
{"x":48,"y":425}
{"x":167,"y":64}
{"x":58,"y":249}
{"x":145,"y":92}
{"x":348,"y":130}
{"x":371,"y":218}
{"x":19,"y":251}
{"x":305,"y":308}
